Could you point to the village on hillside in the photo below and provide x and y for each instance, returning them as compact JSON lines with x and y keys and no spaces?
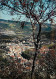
{"x":21,"y":52}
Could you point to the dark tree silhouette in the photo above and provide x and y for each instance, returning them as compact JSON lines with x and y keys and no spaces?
{"x":37,"y":11}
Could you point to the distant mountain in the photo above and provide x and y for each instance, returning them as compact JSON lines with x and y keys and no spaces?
{"x":2,"y":20}
{"x":15,"y":25}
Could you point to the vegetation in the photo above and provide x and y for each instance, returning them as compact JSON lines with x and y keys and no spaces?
{"x":27,"y":54}
{"x":37,"y":11}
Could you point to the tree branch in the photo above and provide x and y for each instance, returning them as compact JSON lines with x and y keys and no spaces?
{"x":13,"y":8}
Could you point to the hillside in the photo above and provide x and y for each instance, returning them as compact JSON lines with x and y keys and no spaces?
{"x":15,"y":26}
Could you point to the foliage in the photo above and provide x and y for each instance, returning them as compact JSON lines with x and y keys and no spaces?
{"x":26,"y":54}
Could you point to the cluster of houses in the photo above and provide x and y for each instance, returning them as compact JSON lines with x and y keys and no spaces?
{"x":15,"y":52}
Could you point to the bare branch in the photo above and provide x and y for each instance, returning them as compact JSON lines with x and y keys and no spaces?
{"x":13,"y":8}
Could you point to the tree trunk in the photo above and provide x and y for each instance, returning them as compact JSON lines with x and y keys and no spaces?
{"x":36,"y":49}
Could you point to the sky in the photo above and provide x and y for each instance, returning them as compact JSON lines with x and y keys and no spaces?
{"x":5,"y":15}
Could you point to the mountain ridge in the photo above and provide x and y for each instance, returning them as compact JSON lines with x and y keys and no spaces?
{"x":16,"y":24}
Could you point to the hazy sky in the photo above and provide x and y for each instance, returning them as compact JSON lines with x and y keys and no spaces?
{"x":5,"y":15}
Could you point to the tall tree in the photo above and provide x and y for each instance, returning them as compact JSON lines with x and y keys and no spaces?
{"x":37,"y":11}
